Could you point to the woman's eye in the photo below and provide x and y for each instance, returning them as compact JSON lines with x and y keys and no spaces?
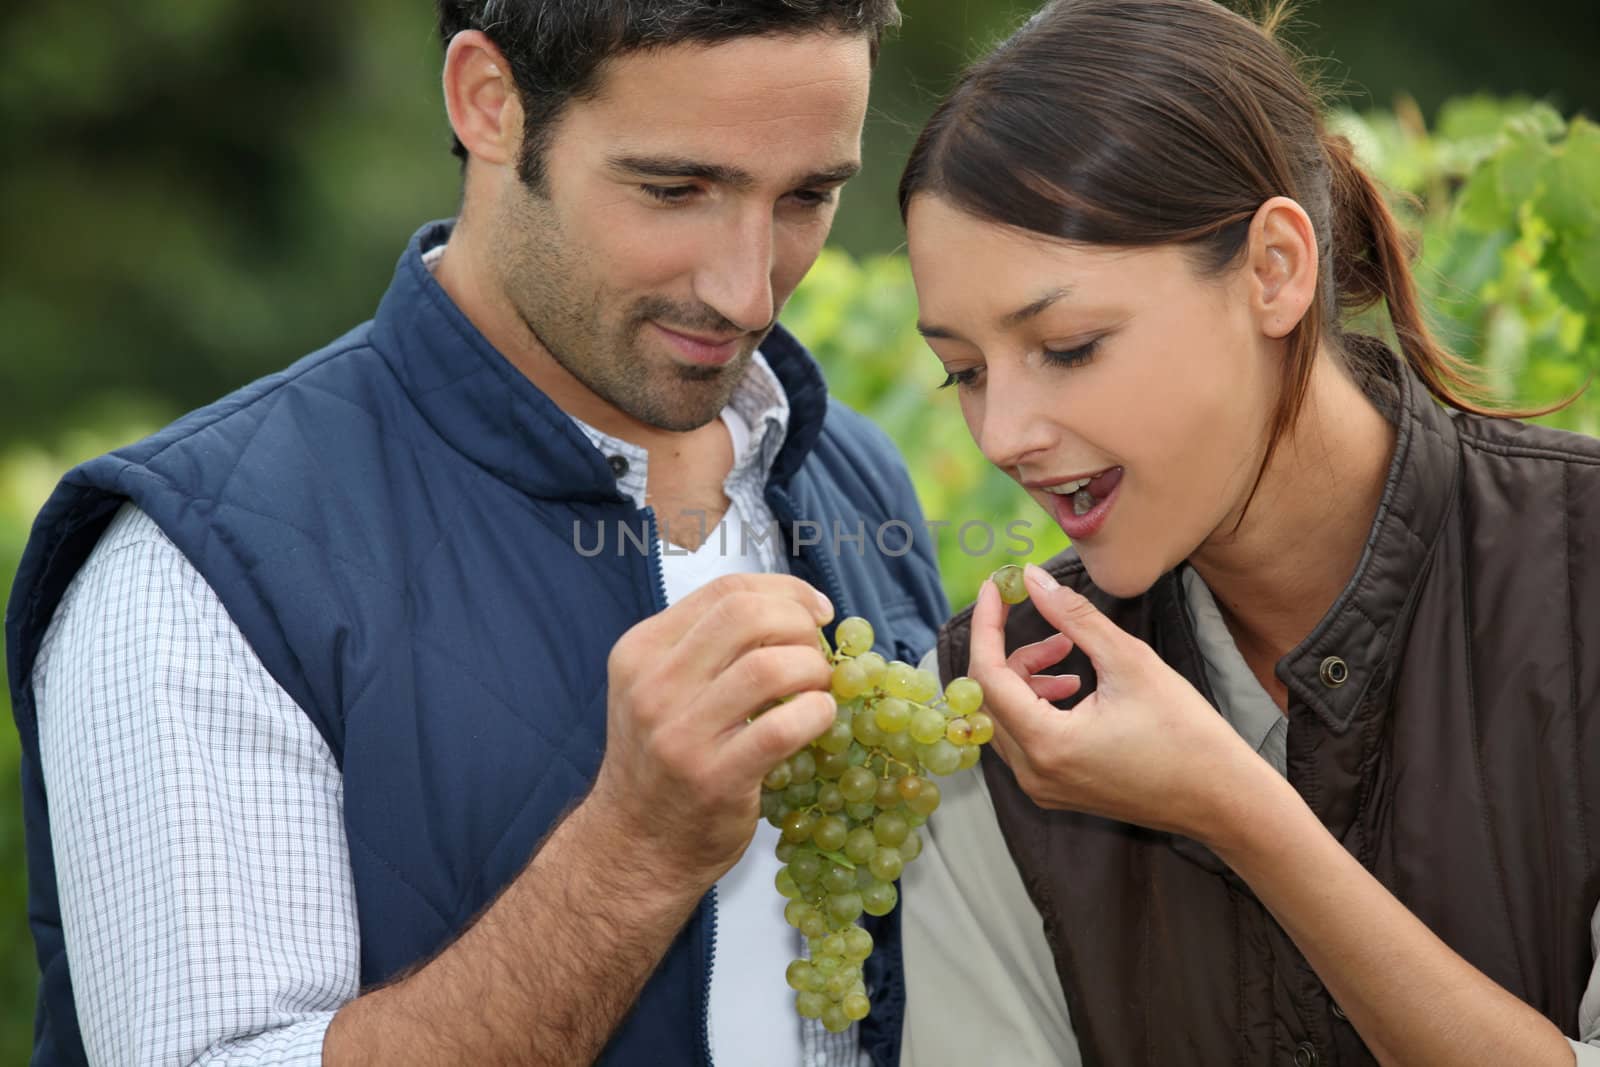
{"x":1071,"y":357}
{"x":960,"y":378}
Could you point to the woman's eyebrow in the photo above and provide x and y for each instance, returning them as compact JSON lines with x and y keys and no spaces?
{"x":1008,"y":321}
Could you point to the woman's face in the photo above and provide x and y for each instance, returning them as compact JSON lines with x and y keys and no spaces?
{"x":1121,"y":366}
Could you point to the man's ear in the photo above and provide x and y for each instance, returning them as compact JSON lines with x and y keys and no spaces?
{"x":481,"y":98}
{"x":1283,"y":265}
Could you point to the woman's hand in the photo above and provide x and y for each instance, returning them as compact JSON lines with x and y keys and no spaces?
{"x":1143,"y":748}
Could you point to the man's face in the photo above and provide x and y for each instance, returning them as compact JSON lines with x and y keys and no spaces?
{"x":681,"y":207}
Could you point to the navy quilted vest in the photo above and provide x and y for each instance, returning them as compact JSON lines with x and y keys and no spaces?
{"x":390,"y":522}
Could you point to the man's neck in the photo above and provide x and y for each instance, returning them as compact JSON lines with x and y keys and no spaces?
{"x":687,"y":469}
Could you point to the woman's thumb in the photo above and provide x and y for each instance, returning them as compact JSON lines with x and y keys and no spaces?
{"x":1070,"y":612}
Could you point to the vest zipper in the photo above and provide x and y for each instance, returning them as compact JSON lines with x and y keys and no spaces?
{"x":708,"y":905}
{"x":784,"y":510}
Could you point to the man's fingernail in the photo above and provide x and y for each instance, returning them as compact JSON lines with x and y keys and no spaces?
{"x":1040,"y":578}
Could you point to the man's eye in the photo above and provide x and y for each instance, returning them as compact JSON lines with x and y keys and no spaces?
{"x":813,"y":197}
{"x":669,"y":194}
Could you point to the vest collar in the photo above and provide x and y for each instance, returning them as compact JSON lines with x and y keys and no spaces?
{"x":1365,"y":629}
{"x":479,"y":403}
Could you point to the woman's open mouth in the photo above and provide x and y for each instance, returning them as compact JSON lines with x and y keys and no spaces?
{"x":1081,"y":505}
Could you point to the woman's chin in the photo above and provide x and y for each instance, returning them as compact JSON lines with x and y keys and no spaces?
{"x":1114,"y":573}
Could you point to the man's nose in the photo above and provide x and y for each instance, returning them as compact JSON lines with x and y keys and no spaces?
{"x":736,"y":280}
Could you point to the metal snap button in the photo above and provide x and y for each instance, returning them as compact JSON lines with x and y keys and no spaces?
{"x":1338,"y":1012}
{"x":619,"y":465}
{"x":1334,"y":672}
{"x":1306,"y":1056}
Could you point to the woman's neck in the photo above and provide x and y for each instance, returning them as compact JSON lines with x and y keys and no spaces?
{"x":1277,"y":575}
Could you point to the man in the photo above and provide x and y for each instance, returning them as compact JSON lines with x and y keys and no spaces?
{"x":307,"y":678}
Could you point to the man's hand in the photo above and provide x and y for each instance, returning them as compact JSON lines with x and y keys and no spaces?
{"x":684,"y":755}
{"x":546,"y":972}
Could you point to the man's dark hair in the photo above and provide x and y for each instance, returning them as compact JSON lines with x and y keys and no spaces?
{"x":556,"y":48}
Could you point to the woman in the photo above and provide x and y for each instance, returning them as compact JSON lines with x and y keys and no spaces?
{"x":1135,"y":249}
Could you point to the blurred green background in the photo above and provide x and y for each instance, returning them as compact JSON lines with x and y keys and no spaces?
{"x":196,"y":192}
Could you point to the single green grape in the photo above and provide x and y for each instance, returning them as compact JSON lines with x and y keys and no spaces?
{"x":927,"y":726}
{"x":845,"y":907}
{"x":874,"y":665}
{"x":801,"y":794}
{"x":834,"y":1020}
{"x":861,"y":812}
{"x":854,"y":636}
{"x":925,"y":687}
{"x":1008,"y":580}
{"x":779,"y":777}
{"x":838,"y":737}
{"x":879,"y":899}
{"x":866,"y":730}
{"x":886,"y":793}
{"x":834,"y":945}
{"x":798,"y":976}
{"x":830,"y":765}
{"x":805,"y":868}
{"x":802,"y":767}
{"x":786,"y":884}
{"x":856,"y":1006}
{"x":892,"y":715}
{"x":857,"y":784}
{"x":886,"y":864}
{"x":958,"y":731}
{"x":829,"y":799}
{"x":860,"y":845}
{"x":849,"y":680}
{"x":797,"y":826}
{"x":837,"y":879}
{"x":839,"y":984}
{"x":970,"y":754}
{"x":925,"y":800}
{"x":982,"y":727}
{"x":902,"y":746}
{"x":795,"y":913}
{"x":890,"y":828}
{"x":826,"y":963}
{"x":963,"y":695}
{"x":811,"y":1005}
{"x":815,"y":925}
{"x":857,"y":944}
{"x":941,"y":757}
{"x":910,"y":786}
{"x":899,"y":680}
{"x":830,"y":833}
{"x":911,"y":847}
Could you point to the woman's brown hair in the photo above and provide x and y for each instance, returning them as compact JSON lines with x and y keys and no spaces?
{"x":1146,"y":122}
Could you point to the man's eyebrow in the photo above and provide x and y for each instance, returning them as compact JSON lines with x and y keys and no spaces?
{"x":671,"y":167}
{"x":1010,"y":320}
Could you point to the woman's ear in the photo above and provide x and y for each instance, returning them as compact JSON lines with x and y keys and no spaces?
{"x":481,"y":98}
{"x":1282,"y":266}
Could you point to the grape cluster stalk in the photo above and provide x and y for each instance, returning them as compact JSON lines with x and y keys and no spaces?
{"x":849,"y":806}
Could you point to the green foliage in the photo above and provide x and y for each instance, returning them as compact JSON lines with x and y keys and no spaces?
{"x":1509,"y":213}
{"x":1508,"y":206}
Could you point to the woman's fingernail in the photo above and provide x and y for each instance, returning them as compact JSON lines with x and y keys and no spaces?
{"x":1040,"y":578}
{"x":826,"y":605}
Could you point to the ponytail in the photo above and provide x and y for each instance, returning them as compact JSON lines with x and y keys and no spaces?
{"x":1371,"y":261}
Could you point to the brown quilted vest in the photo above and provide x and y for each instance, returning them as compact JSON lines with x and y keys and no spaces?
{"x":1459,"y":761}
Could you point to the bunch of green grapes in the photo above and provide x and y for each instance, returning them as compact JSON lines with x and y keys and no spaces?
{"x":849,"y":806}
